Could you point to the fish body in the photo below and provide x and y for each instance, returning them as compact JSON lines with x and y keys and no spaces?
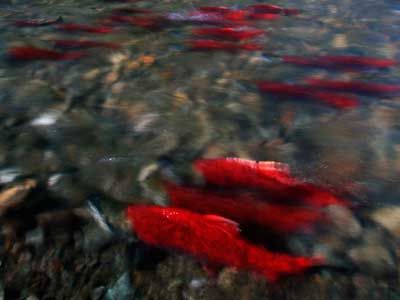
{"x":272,"y":178}
{"x":119,"y":18}
{"x":197,"y":17}
{"x":223,"y":12}
{"x":245,"y":208}
{"x":272,"y":9}
{"x":153,"y":22}
{"x":211,"y":238}
{"x":236,"y":15}
{"x":36,"y":23}
{"x":32,"y":53}
{"x":73,"y":44}
{"x":213,"y":45}
{"x":354,"y":86}
{"x":232,"y":18}
{"x":231,"y":33}
{"x":264,"y":16}
{"x":337,"y":100}
{"x":341,"y":62}
{"x":244,"y":173}
{"x":85,"y":28}
{"x":215,"y":9}
{"x":130,"y":10}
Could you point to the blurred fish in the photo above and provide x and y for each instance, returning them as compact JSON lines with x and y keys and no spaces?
{"x":236,"y":15}
{"x":237,"y":172}
{"x":211,"y":238}
{"x":272,"y":178}
{"x":245,"y":208}
{"x":130,"y":10}
{"x":336,"y":100}
{"x":212,"y":45}
{"x":215,"y":9}
{"x":223,"y":12}
{"x":148,"y":21}
{"x":234,"y":18}
{"x":354,"y":86}
{"x":26,"y":53}
{"x":109,"y":21}
{"x":74,"y":44}
{"x":85,"y":28}
{"x":208,"y":18}
{"x":341,"y":62}
{"x":232,"y":33}
{"x":263,"y":16}
{"x":272,"y":9}
{"x":37,"y":23}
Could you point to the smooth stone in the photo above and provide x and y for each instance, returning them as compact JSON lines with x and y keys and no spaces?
{"x":15,"y":196}
{"x":122,"y":289}
{"x":389,"y":218}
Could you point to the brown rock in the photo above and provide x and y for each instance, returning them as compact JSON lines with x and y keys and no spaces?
{"x":388,"y":217}
{"x":13,"y":197}
{"x":343,"y":222}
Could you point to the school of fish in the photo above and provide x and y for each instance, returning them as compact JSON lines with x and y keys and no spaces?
{"x":205,"y":221}
{"x":220,"y":28}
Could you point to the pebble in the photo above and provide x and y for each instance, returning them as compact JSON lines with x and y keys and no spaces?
{"x":375,"y":254}
{"x":133,"y":65}
{"x":118,"y":58}
{"x":340,"y":41}
{"x":16,"y":195}
{"x":8,"y":175}
{"x":68,"y":187}
{"x":226,"y":278}
{"x":180,"y":98}
{"x":35,"y":237}
{"x":46,"y":119}
{"x":118,"y":88}
{"x":389,"y":218}
{"x":343,"y":222}
{"x":147,"y":59}
{"x":121,"y":290}
{"x":145,"y":121}
{"x":216,"y":150}
{"x":111,"y":77}
{"x":373,"y":258}
{"x":97,"y":233}
{"x":198,"y":283}
{"x":92,"y":74}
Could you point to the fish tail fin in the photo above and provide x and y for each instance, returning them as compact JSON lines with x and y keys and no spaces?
{"x":251,"y":47}
{"x":73,"y":55}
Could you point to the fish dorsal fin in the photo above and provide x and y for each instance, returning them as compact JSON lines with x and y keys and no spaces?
{"x":232,"y":225}
{"x":266,"y":166}
{"x":278,"y":171}
{"x":273,"y":165}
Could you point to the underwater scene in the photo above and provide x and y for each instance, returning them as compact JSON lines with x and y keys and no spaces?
{"x":199,"y":149}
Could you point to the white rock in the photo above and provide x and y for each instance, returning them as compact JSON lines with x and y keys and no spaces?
{"x":46,"y":119}
{"x":8,"y":175}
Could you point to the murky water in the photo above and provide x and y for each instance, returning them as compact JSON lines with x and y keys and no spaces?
{"x":111,"y":125}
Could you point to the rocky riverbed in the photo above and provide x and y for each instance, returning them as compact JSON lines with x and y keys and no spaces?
{"x":82,"y":139}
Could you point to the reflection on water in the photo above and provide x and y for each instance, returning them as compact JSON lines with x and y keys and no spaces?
{"x":141,"y":106}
